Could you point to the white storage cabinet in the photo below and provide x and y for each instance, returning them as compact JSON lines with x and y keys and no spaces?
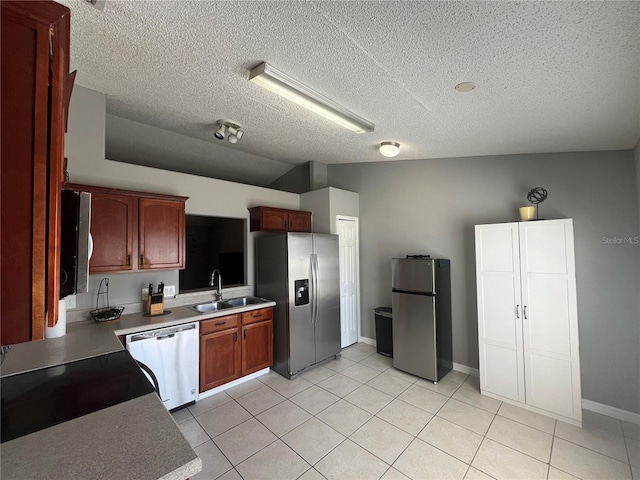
{"x":528,"y":317}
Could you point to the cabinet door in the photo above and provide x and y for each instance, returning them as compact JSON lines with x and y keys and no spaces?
{"x":34,"y":63}
{"x":275,"y":220}
{"x":219,"y":358}
{"x":550,"y":325}
{"x":300,"y":221}
{"x":257,"y":346}
{"x":113,"y":220}
{"x":161,"y":234}
{"x":499,"y":310}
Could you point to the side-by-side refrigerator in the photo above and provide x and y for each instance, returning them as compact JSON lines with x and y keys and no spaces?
{"x":300,"y":272}
{"x":421,"y":300}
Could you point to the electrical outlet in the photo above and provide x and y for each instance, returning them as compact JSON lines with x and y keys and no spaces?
{"x":169,"y":291}
{"x":145,"y":294}
{"x":71,"y":301}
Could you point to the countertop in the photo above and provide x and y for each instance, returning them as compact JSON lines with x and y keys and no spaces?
{"x":89,"y":338}
{"x":100,"y":445}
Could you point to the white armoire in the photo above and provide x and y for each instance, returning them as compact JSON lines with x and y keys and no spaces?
{"x":528,"y":317}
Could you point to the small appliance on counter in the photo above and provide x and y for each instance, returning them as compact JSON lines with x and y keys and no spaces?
{"x":421,"y":303}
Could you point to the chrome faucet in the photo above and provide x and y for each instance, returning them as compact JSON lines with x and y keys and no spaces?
{"x":217,"y":296}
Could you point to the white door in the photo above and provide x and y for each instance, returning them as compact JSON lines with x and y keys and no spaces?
{"x":550,"y":323}
{"x":499,"y":310}
{"x":347,"y":228}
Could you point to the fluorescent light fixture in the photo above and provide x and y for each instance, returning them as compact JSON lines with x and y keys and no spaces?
{"x":278,"y":82}
{"x":389,"y":149}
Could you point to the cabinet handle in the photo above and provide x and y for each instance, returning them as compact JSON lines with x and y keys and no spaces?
{"x":257,"y":315}
{"x":517,"y":311}
{"x":219,"y":323}
{"x":129,"y":259}
{"x":141,"y":259}
{"x":235,"y":336}
{"x":524,"y":309}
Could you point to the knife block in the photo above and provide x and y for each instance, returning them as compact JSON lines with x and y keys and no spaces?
{"x":155,"y":304}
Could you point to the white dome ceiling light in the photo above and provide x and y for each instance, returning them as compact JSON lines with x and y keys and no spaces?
{"x":465,"y":87}
{"x":389,"y":149}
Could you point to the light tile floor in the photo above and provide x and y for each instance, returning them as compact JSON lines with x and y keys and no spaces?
{"x":359,"y":418}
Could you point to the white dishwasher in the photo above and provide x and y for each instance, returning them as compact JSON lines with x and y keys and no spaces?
{"x":172,"y":355}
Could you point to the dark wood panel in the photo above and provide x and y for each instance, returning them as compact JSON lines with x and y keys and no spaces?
{"x":18,"y":81}
{"x":257,"y":315}
{"x":257,"y":346}
{"x":161,"y":234}
{"x":113,"y":220}
{"x":219,"y":323}
{"x":219,"y":358}
{"x":35,"y":65}
{"x":299,"y":221}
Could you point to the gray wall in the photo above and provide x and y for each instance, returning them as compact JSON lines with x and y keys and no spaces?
{"x":296,"y":180}
{"x":431,"y":207}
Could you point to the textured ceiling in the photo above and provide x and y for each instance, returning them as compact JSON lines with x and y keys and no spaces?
{"x":551,"y":77}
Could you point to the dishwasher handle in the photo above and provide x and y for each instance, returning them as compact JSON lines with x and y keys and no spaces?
{"x":161,"y":334}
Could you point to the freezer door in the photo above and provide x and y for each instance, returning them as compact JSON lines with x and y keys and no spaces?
{"x":412,"y":274}
{"x":302,"y":351}
{"x":414,"y":334}
{"x":326,"y":295}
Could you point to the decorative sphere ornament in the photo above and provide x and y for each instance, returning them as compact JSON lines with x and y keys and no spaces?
{"x":537,"y":195}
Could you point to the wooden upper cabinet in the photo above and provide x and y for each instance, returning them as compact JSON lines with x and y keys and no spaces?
{"x":269,"y":219}
{"x":162,"y":233}
{"x":113,"y":222}
{"x":34,"y":68}
{"x":135,"y":231}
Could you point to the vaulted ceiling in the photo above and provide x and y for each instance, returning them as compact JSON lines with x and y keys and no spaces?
{"x":550,"y":77}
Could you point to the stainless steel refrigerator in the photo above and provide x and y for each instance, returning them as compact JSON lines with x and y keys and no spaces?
{"x":300,"y":272}
{"x":421,"y":303}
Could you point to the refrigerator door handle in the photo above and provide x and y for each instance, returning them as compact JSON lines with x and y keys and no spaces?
{"x":314,"y":275}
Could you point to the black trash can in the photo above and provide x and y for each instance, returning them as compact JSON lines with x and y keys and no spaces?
{"x":384,"y":331}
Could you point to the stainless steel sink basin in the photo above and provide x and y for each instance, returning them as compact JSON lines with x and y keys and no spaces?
{"x":210,"y":307}
{"x":244,"y":301}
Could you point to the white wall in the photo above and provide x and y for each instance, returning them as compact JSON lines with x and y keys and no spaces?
{"x":431,"y":207}
{"x":86,"y":164}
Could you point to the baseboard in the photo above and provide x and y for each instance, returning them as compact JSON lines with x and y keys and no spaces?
{"x":367,"y":340}
{"x":614,"y":412}
{"x":458,"y":367}
{"x":239,"y":381}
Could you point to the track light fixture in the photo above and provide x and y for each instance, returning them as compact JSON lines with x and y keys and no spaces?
{"x":233,"y":131}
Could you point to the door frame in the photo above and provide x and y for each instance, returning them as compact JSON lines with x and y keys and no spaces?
{"x":358,"y":306}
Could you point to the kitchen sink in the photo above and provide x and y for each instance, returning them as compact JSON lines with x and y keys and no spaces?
{"x":211,"y":307}
{"x":244,"y":301}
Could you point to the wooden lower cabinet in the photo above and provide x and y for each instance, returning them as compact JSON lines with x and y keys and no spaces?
{"x":234,"y":346}
{"x":257,"y":346}
{"x":219,"y":358}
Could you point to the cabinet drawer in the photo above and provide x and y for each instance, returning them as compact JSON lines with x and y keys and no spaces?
{"x":217,"y":324}
{"x":257,"y":315}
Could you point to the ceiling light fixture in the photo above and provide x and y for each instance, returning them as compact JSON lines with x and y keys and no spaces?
{"x":220,"y":132}
{"x":465,"y":87}
{"x":389,"y":149}
{"x":278,"y":82}
{"x":234,"y":133}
